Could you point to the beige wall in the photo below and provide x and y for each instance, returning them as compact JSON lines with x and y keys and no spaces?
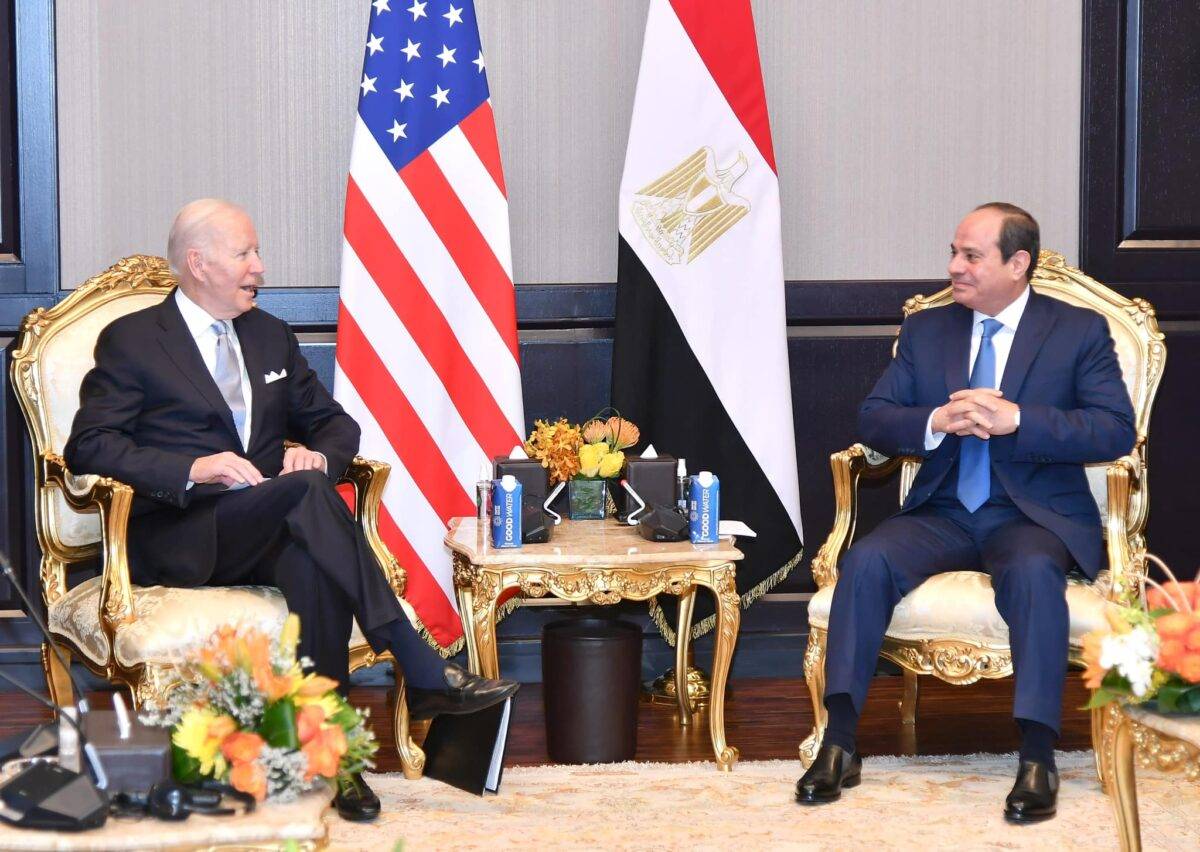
{"x":891,"y":118}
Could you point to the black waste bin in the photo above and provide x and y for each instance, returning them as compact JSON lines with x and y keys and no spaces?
{"x":591,"y":675}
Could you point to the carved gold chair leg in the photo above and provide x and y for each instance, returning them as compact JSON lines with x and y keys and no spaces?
{"x":1098,"y":752}
{"x":814,"y":676}
{"x":910,"y":698}
{"x":412,"y":759}
{"x":58,"y":678}
{"x":1119,"y":749}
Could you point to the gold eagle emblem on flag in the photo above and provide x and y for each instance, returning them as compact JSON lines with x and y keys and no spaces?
{"x":688,"y":209}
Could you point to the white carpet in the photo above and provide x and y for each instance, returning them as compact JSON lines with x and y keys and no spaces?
{"x":924,"y":803}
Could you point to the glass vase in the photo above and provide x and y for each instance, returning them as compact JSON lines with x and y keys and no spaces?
{"x":587,"y":499}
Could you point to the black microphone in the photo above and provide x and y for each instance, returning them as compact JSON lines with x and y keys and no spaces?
{"x":80,"y":698}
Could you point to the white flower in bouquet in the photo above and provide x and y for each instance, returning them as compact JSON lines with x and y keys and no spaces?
{"x":1132,"y":654}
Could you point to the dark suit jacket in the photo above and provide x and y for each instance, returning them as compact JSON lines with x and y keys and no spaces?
{"x":1062,"y":371}
{"x":149,"y":408}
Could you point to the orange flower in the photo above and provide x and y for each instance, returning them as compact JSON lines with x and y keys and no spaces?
{"x":221,"y":727}
{"x":324,"y":752}
{"x":1174,"y":595}
{"x":272,"y":685}
{"x":250,"y":778}
{"x":1173,"y":626}
{"x":1094,"y":675}
{"x":308,"y":721}
{"x":1189,"y":668}
{"x":242,"y":747}
{"x":314,"y":686}
{"x":624,"y":433}
{"x":1169,"y":654}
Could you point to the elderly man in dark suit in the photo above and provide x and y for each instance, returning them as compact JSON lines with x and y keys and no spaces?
{"x":190,"y":402}
{"x":1001,"y":489}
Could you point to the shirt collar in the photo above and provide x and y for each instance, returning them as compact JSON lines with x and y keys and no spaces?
{"x":1010,"y":317}
{"x":197,"y":320}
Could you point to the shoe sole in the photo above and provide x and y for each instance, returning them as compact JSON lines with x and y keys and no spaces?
{"x":359,"y":817}
{"x":1025,"y":819}
{"x":847,"y":784}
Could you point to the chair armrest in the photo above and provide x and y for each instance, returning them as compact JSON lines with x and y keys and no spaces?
{"x":369,"y":478}
{"x":1126,"y":502}
{"x":849,"y":466}
{"x":113,"y":500}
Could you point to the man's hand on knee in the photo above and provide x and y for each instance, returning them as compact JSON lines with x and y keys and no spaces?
{"x":302,"y":458}
{"x":227,"y":468}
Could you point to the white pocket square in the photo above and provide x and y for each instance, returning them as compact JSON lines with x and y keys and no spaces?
{"x":274,"y":376}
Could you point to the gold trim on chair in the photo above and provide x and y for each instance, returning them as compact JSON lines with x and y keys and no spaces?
{"x":963,"y":659}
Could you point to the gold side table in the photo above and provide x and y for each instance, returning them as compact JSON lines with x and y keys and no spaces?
{"x":1133,"y":734}
{"x":601,"y":562}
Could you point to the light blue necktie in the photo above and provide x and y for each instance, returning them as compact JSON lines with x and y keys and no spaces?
{"x":974,"y":463}
{"x":228,"y":375}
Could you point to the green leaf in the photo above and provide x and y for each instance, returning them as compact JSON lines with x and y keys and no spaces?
{"x":184,"y":767}
{"x":278,"y":725}
{"x":1190,"y":699}
{"x":1100,"y":697}
{"x":1168,"y":696}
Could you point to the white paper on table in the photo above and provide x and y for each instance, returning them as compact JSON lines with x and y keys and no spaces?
{"x":736,"y":528}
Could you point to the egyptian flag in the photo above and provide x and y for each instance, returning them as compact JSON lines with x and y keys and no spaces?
{"x":700,"y":358}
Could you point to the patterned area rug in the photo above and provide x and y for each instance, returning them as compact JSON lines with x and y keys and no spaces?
{"x":921,"y":803}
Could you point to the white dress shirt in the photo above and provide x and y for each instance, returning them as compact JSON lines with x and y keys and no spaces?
{"x":199,"y":323}
{"x":1002,"y":341}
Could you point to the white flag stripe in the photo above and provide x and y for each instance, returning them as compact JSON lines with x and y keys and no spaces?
{"x":408,"y":367}
{"x":405,"y":503}
{"x":477,"y":191}
{"x":734,"y":290}
{"x":426,"y":253}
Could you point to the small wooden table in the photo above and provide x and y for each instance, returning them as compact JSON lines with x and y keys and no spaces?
{"x":601,"y":562}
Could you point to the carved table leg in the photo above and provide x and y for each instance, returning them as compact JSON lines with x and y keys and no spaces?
{"x":1119,"y":765}
{"x":483,"y":623}
{"x":466,"y":611}
{"x":683,"y":644}
{"x":728,"y":618}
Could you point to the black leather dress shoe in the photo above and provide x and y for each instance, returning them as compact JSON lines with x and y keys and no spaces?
{"x":355,"y":801}
{"x":832,"y":770}
{"x":1034,"y":796}
{"x":464,"y":693}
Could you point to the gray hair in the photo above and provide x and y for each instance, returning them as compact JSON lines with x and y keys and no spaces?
{"x":192,"y":229}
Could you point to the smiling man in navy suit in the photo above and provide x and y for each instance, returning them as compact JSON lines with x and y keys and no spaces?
{"x":1006,"y":395}
{"x":190,"y":403}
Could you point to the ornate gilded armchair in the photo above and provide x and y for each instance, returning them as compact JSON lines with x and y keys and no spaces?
{"x":133,"y":635}
{"x":949,"y":626}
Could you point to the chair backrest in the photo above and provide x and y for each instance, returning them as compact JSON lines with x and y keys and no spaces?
{"x":55,"y":349}
{"x":1139,"y":346}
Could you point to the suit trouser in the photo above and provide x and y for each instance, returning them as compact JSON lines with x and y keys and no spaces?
{"x":1028,"y":566}
{"x":295,"y":532}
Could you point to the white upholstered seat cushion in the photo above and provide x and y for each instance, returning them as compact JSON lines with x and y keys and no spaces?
{"x":169,"y":622}
{"x":961,"y":605}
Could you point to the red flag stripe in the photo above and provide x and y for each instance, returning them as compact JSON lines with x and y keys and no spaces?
{"x":437,"y":614}
{"x":480,"y":129}
{"x":466,"y":245}
{"x":409,"y":438}
{"x":723,"y":35}
{"x":386,"y":264}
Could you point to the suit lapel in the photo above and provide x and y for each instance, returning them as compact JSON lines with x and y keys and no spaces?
{"x":177,"y":341}
{"x":958,"y":350}
{"x":249,"y":343}
{"x":1032,"y":332}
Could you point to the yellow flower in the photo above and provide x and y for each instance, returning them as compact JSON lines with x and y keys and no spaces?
{"x":289,"y":637}
{"x":611,"y":464}
{"x":589,"y":458}
{"x":200,"y":733}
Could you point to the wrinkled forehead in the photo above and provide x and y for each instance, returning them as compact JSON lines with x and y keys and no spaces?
{"x":979,"y":230}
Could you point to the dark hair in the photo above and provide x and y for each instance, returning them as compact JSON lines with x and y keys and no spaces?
{"x":1018,"y":232}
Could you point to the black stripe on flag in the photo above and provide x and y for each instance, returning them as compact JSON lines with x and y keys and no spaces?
{"x":658,"y":383}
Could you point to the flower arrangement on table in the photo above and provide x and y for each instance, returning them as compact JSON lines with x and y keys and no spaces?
{"x":584,"y":456}
{"x":1150,"y":652}
{"x":247,"y":715}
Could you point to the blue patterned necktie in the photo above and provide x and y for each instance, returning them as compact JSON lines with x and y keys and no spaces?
{"x":228,"y":374}
{"x":974,"y":462}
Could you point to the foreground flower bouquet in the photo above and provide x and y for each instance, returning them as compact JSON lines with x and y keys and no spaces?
{"x":1151,"y":652}
{"x":248,"y":716}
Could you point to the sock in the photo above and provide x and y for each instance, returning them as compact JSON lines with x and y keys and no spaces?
{"x":1037,"y":742}
{"x":423,"y":667}
{"x":843,"y":722}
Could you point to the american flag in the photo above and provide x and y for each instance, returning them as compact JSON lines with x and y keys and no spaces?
{"x":427,"y":358}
